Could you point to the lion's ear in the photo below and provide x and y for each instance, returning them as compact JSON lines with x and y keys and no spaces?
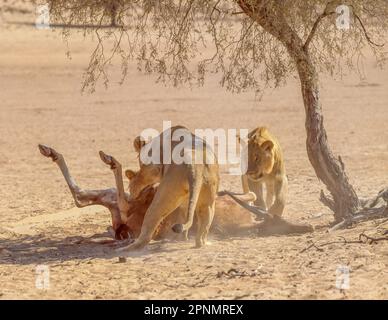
{"x":155,"y":171}
{"x":267,"y":145}
{"x":242,"y":139}
{"x":251,"y":134}
{"x":130,"y":174}
{"x":138,"y":143}
{"x":263,"y":131}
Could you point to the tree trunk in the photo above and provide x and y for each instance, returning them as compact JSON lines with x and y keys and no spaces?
{"x":329,"y":170}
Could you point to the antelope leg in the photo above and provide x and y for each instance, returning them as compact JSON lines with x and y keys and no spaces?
{"x":83,"y":198}
{"x":122,"y":197}
{"x":246,"y":197}
{"x":260,"y":213}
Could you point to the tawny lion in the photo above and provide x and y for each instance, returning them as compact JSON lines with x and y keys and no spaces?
{"x":190,"y":186}
{"x":266,"y":168}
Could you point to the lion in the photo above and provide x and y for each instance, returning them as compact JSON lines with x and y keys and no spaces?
{"x":187,"y":187}
{"x":266,"y":168}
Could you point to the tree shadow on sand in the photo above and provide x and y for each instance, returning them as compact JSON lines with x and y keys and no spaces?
{"x":38,"y":249}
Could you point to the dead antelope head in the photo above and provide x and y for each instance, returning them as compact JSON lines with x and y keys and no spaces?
{"x":135,"y":215}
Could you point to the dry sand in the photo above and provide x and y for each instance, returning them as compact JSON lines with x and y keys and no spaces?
{"x":40,"y":102}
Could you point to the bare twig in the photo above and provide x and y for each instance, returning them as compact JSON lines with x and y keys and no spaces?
{"x":368,"y":38}
{"x":370,"y":240}
{"x":362,"y":238}
{"x":325,"y":13}
{"x":319,"y":246}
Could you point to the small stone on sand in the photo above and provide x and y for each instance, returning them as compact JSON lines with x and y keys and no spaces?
{"x":122,"y":259}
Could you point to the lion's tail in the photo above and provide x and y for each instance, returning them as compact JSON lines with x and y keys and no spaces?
{"x":195,"y":185}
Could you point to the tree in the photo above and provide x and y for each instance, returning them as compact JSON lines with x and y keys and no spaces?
{"x":254,"y":42}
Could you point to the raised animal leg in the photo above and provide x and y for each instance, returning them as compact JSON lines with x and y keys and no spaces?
{"x":83,"y":198}
{"x":170,"y":195}
{"x":122,"y":198}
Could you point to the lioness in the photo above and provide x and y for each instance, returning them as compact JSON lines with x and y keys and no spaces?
{"x":189,"y":186}
{"x":266,"y":167}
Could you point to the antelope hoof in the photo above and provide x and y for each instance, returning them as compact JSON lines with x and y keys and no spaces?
{"x":107,"y":159}
{"x":48,"y":152}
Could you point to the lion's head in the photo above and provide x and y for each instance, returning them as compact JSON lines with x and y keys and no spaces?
{"x":149,"y":174}
{"x":261,"y":154}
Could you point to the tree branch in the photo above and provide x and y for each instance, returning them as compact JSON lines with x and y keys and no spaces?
{"x":327,"y":201}
{"x":325,"y":13}
{"x":368,"y":38}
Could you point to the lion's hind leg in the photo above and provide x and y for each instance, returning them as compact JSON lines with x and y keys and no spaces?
{"x":205,"y":215}
{"x":169,"y":196}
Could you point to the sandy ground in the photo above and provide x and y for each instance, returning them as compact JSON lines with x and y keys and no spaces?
{"x":40,"y":102}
